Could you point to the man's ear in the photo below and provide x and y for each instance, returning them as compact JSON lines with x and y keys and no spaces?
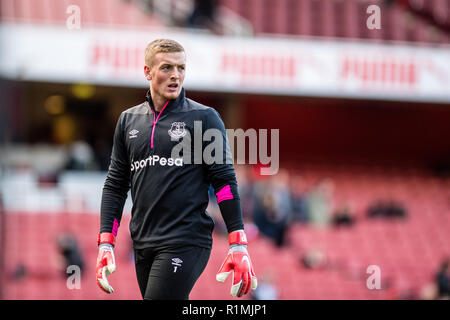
{"x":147,"y":73}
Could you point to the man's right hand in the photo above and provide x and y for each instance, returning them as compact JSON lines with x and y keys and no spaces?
{"x":106,"y":263}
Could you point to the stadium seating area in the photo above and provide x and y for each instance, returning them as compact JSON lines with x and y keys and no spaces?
{"x":408,"y":251}
{"x":93,"y":13}
{"x":342,"y":18}
{"x":426,"y":21}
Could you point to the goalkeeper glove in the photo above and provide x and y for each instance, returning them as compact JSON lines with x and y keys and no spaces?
{"x":238,"y":261}
{"x":106,"y":263}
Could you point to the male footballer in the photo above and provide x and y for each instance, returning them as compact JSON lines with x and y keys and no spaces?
{"x":170,"y":228}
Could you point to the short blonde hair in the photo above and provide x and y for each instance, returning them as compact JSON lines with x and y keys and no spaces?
{"x":160,"y":45}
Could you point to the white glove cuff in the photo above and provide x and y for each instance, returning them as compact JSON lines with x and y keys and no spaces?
{"x":238,"y":248}
{"x":106,"y":247}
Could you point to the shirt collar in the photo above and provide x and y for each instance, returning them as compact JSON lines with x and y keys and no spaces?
{"x":172,"y":104}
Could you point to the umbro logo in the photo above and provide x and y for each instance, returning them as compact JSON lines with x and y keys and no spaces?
{"x":133,"y":133}
{"x":176,"y":262}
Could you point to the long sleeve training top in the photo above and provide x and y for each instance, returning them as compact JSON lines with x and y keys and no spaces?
{"x":169,"y":193}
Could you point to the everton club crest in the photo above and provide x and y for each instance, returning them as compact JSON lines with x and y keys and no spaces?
{"x":177,"y":130}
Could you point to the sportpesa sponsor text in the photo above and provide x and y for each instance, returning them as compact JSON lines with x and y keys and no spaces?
{"x":154,"y":160}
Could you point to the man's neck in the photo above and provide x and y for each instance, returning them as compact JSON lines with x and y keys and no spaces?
{"x":158,"y":104}
{"x":158,"y":101}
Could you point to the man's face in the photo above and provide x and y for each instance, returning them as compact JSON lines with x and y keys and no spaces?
{"x":166,"y":75}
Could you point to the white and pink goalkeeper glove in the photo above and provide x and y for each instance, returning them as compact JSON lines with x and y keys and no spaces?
{"x":238,"y":262}
{"x":106,"y":263}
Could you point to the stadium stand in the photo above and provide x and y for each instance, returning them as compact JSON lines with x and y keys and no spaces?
{"x":407,"y":251}
{"x":106,"y":13}
{"x":416,"y":21}
{"x":342,"y":18}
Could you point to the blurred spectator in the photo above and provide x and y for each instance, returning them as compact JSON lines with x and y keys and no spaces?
{"x":386,"y":209}
{"x":273,"y":207}
{"x":102,"y":152}
{"x":319,"y":203}
{"x":298,"y":198}
{"x":81,"y":157}
{"x":343,"y":216}
{"x":19,"y":272}
{"x":443,"y":281}
{"x":70,"y":252}
{"x":314,"y":259}
{"x":246,"y":190}
{"x":203,"y":15}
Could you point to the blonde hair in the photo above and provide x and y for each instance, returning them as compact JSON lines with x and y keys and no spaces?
{"x":160,"y":45}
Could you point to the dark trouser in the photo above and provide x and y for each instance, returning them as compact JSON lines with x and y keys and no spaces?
{"x":169,"y":274}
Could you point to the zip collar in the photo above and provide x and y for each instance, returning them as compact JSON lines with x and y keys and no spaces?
{"x":170,"y":104}
{"x":173,"y":104}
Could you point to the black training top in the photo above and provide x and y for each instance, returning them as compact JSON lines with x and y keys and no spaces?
{"x":169,"y":184}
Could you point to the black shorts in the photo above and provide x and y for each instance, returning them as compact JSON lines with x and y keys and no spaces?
{"x":169,"y":274}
